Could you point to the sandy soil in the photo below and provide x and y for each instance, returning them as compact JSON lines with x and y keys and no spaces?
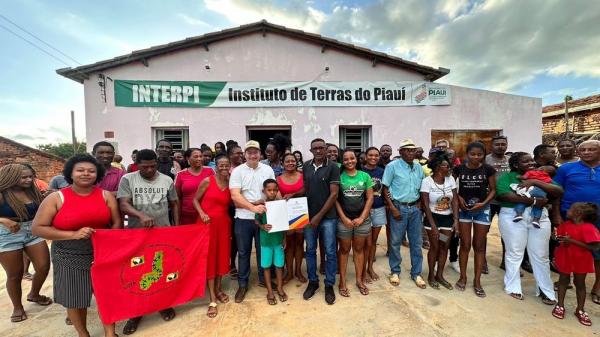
{"x":388,"y":311}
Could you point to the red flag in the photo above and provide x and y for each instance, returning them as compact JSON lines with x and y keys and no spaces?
{"x":140,"y":271}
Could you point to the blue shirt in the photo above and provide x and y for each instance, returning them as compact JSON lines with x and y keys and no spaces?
{"x":403,"y":181}
{"x":376,"y":176}
{"x":580,"y":183}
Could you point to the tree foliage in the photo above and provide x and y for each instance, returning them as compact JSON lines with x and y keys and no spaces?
{"x":63,"y":150}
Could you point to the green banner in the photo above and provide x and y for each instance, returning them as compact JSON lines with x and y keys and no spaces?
{"x":167,"y":93}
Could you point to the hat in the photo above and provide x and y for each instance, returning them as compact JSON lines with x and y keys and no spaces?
{"x":407,"y":144}
{"x":251,"y":144}
{"x":436,"y":149}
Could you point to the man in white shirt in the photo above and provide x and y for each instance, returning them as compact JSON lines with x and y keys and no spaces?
{"x":245,"y":185}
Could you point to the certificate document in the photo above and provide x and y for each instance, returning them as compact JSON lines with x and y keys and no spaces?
{"x":286,"y":215}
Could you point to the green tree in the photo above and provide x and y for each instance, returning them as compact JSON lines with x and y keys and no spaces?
{"x":64,"y":150}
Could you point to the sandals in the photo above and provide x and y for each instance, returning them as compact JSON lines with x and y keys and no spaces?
{"x":374,"y":276}
{"x":595,"y":297}
{"x":479,"y":292}
{"x":212,"y":310}
{"x":344,"y":292}
{"x":233,"y":273}
{"x":363,"y":289}
{"x":131,"y":325}
{"x":222,"y":297}
{"x":546,"y":300}
{"x":282,"y":296}
{"x":460,"y":286}
{"x":271,"y":300}
{"x":420,"y":282}
{"x":583,"y":317}
{"x":18,"y":317}
{"x":167,"y":314}
{"x":445,"y":284}
{"x":434,"y":284}
{"x":558,"y":312}
{"x":41,"y":300}
{"x":395,"y":280}
{"x":517,"y":296}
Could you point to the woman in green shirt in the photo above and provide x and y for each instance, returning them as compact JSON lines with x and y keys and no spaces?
{"x":354,"y":224}
{"x":520,"y":235}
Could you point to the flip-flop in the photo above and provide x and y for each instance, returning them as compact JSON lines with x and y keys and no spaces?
{"x":445,"y":284}
{"x":460,"y":286}
{"x":27,"y":276}
{"x":271,"y":300}
{"x":41,"y":300}
{"x":595,"y":298}
{"x":282,"y":297}
{"x":344,"y":292}
{"x":363,"y":290}
{"x":212,"y":310}
{"x":167,"y":314}
{"x":517,"y":296}
{"x":18,"y":318}
{"x":479,"y":292}
{"x":131,"y":325}
{"x":222,"y":297}
{"x":434,"y":284}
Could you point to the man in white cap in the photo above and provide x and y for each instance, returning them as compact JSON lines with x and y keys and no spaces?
{"x":245,"y":185}
{"x":401,"y":184}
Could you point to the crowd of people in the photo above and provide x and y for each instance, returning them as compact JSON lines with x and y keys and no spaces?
{"x":547,"y":210}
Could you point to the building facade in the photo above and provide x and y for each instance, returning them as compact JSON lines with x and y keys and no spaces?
{"x":267,"y":53}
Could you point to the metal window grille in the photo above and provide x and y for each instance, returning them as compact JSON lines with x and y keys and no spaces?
{"x":355,"y":138}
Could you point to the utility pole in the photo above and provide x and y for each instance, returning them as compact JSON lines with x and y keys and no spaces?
{"x":567,"y":99}
{"x":73,"y":138}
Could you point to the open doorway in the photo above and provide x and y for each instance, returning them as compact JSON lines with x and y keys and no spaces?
{"x":263,"y":134}
{"x":459,"y":139}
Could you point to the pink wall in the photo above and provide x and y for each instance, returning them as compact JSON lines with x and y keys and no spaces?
{"x":278,"y":58}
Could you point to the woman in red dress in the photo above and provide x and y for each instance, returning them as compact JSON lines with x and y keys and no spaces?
{"x":578,"y":237}
{"x":186,"y":184}
{"x":212,"y":202}
{"x":291,"y":185}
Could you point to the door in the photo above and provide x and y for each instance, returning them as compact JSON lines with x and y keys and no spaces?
{"x":459,"y":139}
{"x":264,"y":134}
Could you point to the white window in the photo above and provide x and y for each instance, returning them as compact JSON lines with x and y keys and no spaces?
{"x":179,"y":137}
{"x":355,"y":137}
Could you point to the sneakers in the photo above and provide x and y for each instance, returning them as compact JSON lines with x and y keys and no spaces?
{"x":517,"y":218}
{"x":454,"y":265}
{"x":329,"y":295}
{"x":311,"y":289}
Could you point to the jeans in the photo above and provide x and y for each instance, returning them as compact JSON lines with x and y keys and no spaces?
{"x":519,"y":235}
{"x":410,"y":223}
{"x":327,"y":228}
{"x":245,"y":230}
{"x":536,"y":212}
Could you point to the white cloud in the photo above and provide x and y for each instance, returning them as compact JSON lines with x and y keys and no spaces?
{"x":192,"y":21}
{"x":295,"y":14}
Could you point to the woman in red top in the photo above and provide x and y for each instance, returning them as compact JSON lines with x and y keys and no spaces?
{"x":187,"y":182}
{"x":578,"y":237}
{"x":212,"y":203}
{"x":291,"y":185}
{"x":69,"y":217}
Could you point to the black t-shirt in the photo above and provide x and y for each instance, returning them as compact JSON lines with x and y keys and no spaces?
{"x":473,"y":184}
{"x":316,"y":185}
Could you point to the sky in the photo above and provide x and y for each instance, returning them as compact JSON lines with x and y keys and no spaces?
{"x":538,"y":48}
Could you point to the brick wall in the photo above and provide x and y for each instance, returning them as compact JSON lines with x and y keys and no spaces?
{"x":580,"y":122}
{"x":45,"y":165}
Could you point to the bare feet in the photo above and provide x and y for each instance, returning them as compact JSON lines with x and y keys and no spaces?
{"x":373,"y":275}
{"x":300,"y":277}
{"x":288,"y":277}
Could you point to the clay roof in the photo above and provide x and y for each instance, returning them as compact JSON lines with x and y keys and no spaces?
{"x":31,"y":149}
{"x":591,"y":101}
{"x":81,"y":73}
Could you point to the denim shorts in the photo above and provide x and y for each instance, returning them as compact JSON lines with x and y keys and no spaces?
{"x":19,"y":240}
{"x":481,"y":216}
{"x":378,"y":216}
{"x":346,"y":233}
{"x":270,"y":256}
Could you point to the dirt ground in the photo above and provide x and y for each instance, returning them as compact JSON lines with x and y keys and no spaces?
{"x":387,"y":311}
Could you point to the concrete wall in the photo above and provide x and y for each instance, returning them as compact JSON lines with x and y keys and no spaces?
{"x":278,"y":58}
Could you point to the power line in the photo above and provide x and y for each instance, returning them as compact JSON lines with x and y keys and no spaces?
{"x":36,"y":46}
{"x":37,"y":38}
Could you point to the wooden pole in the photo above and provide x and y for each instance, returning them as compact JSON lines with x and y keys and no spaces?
{"x":73,"y":138}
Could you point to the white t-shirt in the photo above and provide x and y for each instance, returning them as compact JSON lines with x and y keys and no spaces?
{"x":250,"y":182}
{"x":440,"y":196}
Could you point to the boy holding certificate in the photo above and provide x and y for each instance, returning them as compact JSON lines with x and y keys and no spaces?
{"x":271,"y":246}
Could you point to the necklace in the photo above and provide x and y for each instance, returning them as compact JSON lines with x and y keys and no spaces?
{"x":443,"y":188}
